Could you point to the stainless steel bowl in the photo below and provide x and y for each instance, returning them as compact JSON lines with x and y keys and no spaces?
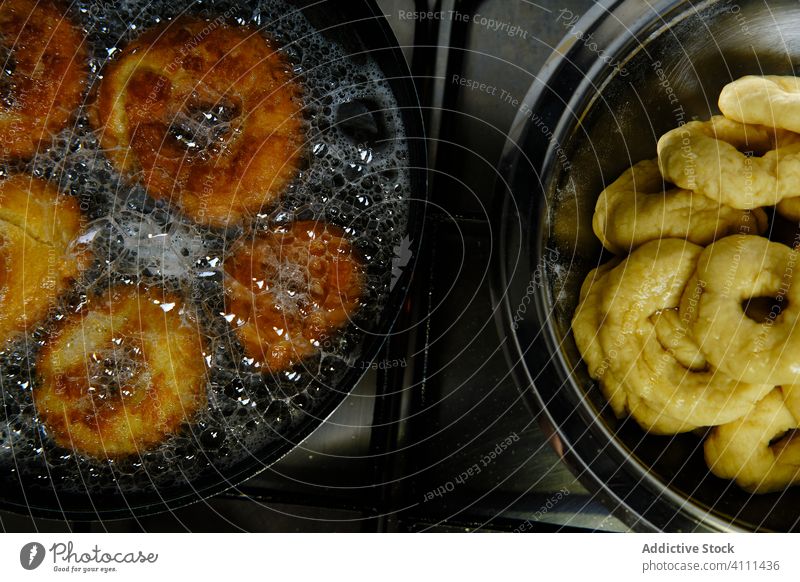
{"x":627,"y":72}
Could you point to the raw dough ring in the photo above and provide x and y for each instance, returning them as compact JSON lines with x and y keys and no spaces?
{"x":122,"y":374}
{"x":741,"y":450}
{"x":705,"y":157}
{"x":630,"y":299}
{"x":289,"y":289}
{"x":771,"y":100}
{"x":208,"y":114}
{"x":39,"y":257}
{"x":584,"y":327}
{"x":731,"y":271}
{"x":636,"y":208}
{"x":47,"y":58}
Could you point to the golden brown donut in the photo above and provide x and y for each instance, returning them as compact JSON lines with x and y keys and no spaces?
{"x":122,"y":374}
{"x":39,"y":256}
{"x":153,"y":107}
{"x":46,"y":57}
{"x":289,"y":289}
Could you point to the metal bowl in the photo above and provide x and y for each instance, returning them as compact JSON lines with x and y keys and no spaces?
{"x":627,"y":72}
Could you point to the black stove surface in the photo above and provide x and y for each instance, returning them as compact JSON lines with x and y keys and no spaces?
{"x":438,"y":436}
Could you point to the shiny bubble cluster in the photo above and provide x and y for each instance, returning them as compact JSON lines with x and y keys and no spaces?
{"x":353,"y":175}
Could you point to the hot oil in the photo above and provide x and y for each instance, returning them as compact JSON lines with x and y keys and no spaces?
{"x":354,"y":175}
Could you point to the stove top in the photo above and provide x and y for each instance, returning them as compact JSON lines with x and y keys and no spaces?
{"x":436,"y":435}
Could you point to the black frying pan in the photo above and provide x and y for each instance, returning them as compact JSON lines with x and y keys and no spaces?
{"x":41,"y":479}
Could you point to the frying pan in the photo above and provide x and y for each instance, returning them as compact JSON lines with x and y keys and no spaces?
{"x":588,"y":117}
{"x":61,"y":485}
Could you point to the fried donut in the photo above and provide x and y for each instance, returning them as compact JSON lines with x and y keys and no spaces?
{"x":636,"y":208}
{"x":734,"y":270}
{"x":742,"y":450}
{"x":705,"y":157}
{"x":770,"y":100}
{"x":630,"y":300}
{"x":43,"y":77}
{"x":207,"y":113}
{"x":122,"y":374}
{"x":39,"y":256}
{"x":289,"y":289}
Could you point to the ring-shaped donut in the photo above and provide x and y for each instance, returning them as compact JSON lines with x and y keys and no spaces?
{"x":650,"y":281}
{"x":744,"y":451}
{"x":637,"y":208}
{"x":43,"y":75}
{"x":730,"y":273}
{"x":39,"y":250}
{"x":289,"y":289}
{"x":122,"y":374}
{"x":207,"y":113}
{"x":707,"y":157}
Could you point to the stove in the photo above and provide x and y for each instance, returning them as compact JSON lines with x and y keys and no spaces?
{"x":436,"y":436}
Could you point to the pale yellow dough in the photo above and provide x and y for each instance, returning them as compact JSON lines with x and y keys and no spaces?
{"x":732,"y":271}
{"x":665,"y":331}
{"x":637,"y":208}
{"x":585,"y":326}
{"x":741,"y":450}
{"x":770,"y":100}
{"x":619,"y":330}
{"x":710,"y":158}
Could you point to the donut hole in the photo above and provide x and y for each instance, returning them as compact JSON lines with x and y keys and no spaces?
{"x":752,"y":144}
{"x":204,"y":127}
{"x":782,"y":439}
{"x":751,"y":152}
{"x":113,"y":373}
{"x":291,"y":284}
{"x":765,"y":308}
